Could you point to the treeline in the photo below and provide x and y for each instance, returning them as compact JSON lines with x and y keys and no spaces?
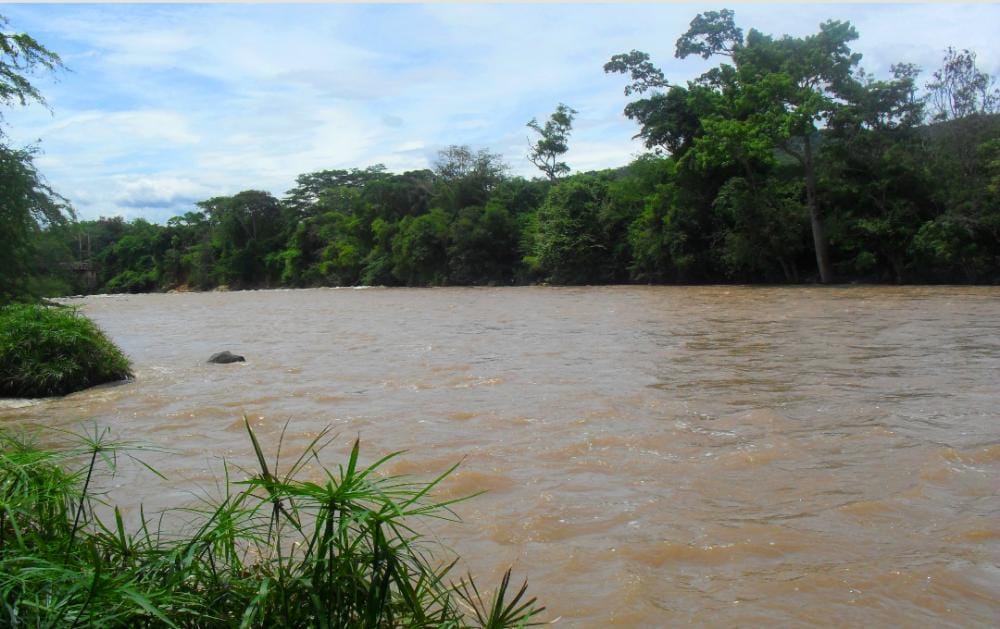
{"x":917,"y":205}
{"x":786,"y":163}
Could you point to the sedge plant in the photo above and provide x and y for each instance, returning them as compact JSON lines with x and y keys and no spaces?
{"x":276,"y":550}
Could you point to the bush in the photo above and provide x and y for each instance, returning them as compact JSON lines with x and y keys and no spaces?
{"x":54,"y":351}
{"x":132,"y":282}
{"x":273,"y":552}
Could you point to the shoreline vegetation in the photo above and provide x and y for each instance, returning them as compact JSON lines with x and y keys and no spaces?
{"x":277,"y":550}
{"x":659,"y":220}
{"x":54,"y":350}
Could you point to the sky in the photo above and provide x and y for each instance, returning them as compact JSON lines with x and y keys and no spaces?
{"x":161,"y":106}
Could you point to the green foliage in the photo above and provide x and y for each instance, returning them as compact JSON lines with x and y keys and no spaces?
{"x":248,"y":229}
{"x":420,"y":249}
{"x":711,"y":33}
{"x":645,"y":76}
{"x":765,"y":228}
{"x":483,"y":246}
{"x":466,"y":178}
{"x":54,"y":351}
{"x":21,"y":55}
{"x":776,"y":93}
{"x":139,"y":281}
{"x":806,"y":98}
{"x":27,"y":205}
{"x":311,"y":188}
{"x":673,"y":237}
{"x":574,"y":239}
{"x":274,"y":551}
{"x":378,"y":263}
{"x":130,"y":262}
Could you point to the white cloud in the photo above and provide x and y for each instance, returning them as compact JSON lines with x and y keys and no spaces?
{"x":157,"y":192}
{"x":90,"y":127}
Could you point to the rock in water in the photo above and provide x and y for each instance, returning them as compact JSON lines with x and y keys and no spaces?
{"x":224,"y":358}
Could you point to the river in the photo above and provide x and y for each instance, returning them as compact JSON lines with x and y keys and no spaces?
{"x":723,"y":456}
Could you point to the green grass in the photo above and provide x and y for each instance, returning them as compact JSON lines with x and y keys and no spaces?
{"x":54,"y":351}
{"x":274,"y":551}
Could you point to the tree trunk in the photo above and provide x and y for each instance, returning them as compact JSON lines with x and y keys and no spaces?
{"x":787,"y":270}
{"x":897,"y":267}
{"x":819,"y":236}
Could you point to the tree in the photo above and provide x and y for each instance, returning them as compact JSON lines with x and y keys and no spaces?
{"x":27,"y":203}
{"x":395,"y":196}
{"x":573,"y":240}
{"x":482,"y":246}
{"x":467,"y":178}
{"x":312,"y":186}
{"x":188,"y":238}
{"x":963,"y":141}
{"x":775,"y":94}
{"x":420,"y":249}
{"x":130,"y":263}
{"x":763,"y":228}
{"x":249,"y":230}
{"x":960,"y":89}
{"x":552,"y":144}
{"x":20,"y":55}
{"x":875,"y":170}
{"x":674,"y":235}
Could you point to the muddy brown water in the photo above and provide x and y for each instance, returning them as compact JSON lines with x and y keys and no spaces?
{"x":652,"y":456}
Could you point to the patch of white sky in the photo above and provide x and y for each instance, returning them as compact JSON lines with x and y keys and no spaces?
{"x":167,"y":105}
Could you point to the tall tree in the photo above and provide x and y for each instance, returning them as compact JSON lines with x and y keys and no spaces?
{"x":771,"y":94}
{"x":553,"y":142}
{"x":875,"y":169}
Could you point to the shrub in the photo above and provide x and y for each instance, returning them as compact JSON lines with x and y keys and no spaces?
{"x":54,"y":351}
{"x":133,"y":282}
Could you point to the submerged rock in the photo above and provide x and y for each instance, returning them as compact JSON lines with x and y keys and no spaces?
{"x":226,"y":357}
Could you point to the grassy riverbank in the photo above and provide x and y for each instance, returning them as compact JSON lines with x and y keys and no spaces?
{"x":48,"y":351}
{"x":275,"y":551}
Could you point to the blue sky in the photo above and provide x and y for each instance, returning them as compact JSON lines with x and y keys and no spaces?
{"x":166,"y":105}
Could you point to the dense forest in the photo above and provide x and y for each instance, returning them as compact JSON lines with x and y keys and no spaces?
{"x":785,"y":163}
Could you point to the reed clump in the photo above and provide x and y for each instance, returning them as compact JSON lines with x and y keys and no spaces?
{"x":54,"y":350}
{"x":274,"y":551}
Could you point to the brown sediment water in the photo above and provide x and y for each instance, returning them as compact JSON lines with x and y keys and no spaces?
{"x":652,"y":456}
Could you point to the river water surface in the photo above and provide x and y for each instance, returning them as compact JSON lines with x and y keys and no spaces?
{"x":652,"y":456}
